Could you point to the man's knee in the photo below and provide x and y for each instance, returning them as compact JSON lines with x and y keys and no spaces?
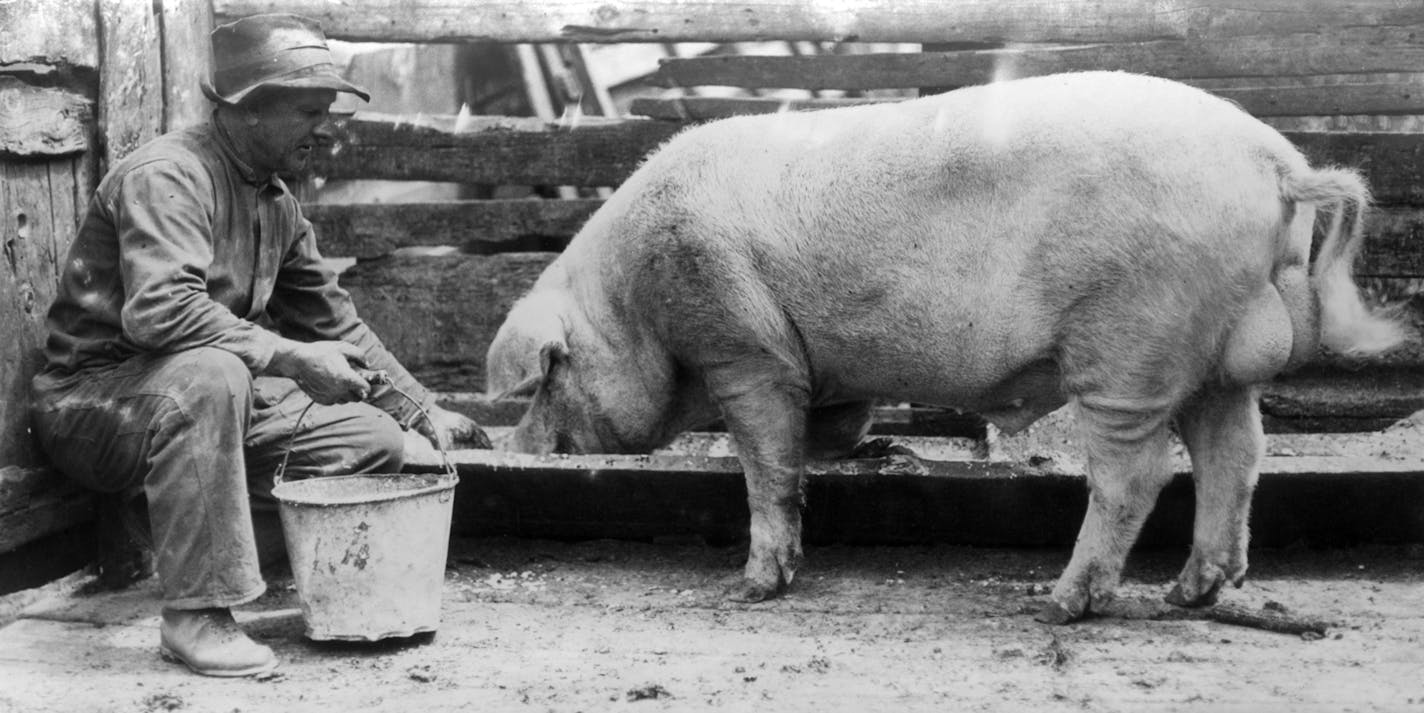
{"x":208,"y":382}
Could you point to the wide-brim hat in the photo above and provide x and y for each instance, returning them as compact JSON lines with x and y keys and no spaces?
{"x":276,"y":50}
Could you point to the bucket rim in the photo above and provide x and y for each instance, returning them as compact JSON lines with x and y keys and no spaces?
{"x":444,"y":481}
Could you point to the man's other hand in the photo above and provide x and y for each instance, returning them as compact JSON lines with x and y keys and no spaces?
{"x":448,"y":429}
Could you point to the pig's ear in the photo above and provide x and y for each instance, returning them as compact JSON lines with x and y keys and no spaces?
{"x":553,"y":353}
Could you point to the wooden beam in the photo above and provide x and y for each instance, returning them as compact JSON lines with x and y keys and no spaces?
{"x":1393,"y":162}
{"x":821,"y":20}
{"x":727,"y":21}
{"x":187,"y":58}
{"x":1333,"y":50}
{"x":45,"y":516}
{"x":130,"y":77}
{"x":1373,"y":97}
{"x":435,"y":312}
{"x":603,"y":152}
{"x":365,"y":230}
{"x":38,"y":122}
{"x":49,"y":33}
{"x":496,"y":150}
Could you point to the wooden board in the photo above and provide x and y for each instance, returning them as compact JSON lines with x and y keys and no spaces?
{"x":829,"y":20}
{"x":727,"y":21}
{"x":38,"y":122}
{"x":49,"y":32}
{"x":187,"y":58}
{"x":437,"y":312}
{"x":1333,"y":50}
{"x":37,"y":204}
{"x":489,"y":226}
{"x":604,"y":152}
{"x":1271,"y":99}
{"x":366,"y":230}
{"x":130,"y":77}
{"x":495,"y":150}
{"x":44,"y":516}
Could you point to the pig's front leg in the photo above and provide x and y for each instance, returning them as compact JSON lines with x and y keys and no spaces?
{"x":765,"y":412}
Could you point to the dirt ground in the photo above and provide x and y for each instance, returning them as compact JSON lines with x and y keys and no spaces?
{"x":548,"y":626}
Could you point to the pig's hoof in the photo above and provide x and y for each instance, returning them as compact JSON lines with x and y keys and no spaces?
{"x":749,"y":592}
{"x":1199,"y":586}
{"x":1179,"y":597}
{"x":1056,"y":614}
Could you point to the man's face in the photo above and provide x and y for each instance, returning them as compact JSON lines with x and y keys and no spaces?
{"x":286,"y":126}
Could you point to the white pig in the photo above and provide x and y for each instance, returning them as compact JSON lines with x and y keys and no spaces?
{"x":1130,"y":245}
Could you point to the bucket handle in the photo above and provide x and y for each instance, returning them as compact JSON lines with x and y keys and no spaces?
{"x":374,"y":378}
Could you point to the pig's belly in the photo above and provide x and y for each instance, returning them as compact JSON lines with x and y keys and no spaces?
{"x":945,"y":370}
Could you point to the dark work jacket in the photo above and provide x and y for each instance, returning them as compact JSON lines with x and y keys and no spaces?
{"x":185,"y":246}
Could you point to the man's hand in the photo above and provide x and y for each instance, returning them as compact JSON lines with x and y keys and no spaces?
{"x":451,"y":429}
{"x":322,"y":369}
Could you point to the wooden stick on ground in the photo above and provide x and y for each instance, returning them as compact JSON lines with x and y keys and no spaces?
{"x":1270,"y":617}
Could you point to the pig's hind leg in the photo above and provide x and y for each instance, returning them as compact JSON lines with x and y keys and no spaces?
{"x":1222,"y":430}
{"x":1126,"y":442}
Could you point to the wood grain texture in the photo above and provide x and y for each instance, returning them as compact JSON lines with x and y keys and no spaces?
{"x":49,"y":32}
{"x":495,"y":151}
{"x":187,"y":58}
{"x":1333,"y":50}
{"x":365,"y":230}
{"x":130,"y":77}
{"x":828,"y":20}
{"x":40,"y":122}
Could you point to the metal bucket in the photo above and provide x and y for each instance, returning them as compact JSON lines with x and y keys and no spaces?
{"x":368,"y":551}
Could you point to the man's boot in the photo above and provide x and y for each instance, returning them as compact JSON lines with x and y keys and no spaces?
{"x":210,"y":642}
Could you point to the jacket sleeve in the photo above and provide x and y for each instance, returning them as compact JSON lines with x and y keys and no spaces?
{"x":309,"y":305}
{"x":163,"y":221}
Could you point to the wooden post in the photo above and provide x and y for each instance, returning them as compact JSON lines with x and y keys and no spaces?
{"x":130,"y":77}
{"x":187,"y":58}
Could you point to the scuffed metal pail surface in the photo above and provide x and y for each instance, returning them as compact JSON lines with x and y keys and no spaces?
{"x":368,"y":552}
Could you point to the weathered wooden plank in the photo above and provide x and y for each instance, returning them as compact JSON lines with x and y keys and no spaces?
{"x":31,"y":254}
{"x":727,"y":21}
{"x":1395,"y":243}
{"x":604,"y":152}
{"x":373,"y":229}
{"x":187,"y":57}
{"x":1392,"y":162}
{"x":130,"y":77}
{"x":1392,"y":249}
{"x":1333,"y":50}
{"x":37,"y":122}
{"x":496,"y":151}
{"x":826,"y":20}
{"x":48,"y":32}
{"x":45,"y":516}
{"x":441,"y":311}
{"x":20,"y":485}
{"x":1360,"y":97}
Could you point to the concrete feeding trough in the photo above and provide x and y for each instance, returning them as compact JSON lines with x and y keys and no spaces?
{"x":1025,"y":490}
